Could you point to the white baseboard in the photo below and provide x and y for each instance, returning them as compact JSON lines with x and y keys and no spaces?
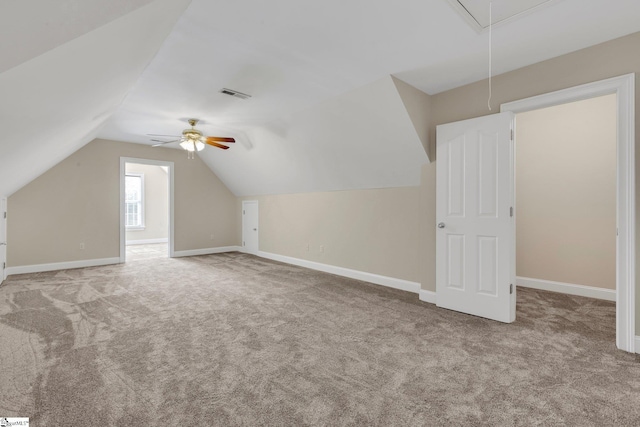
{"x":147,"y":241}
{"x":38,"y":268}
{"x":206,"y":251}
{"x":390,"y":282}
{"x":636,"y":348}
{"x":567,"y":288}
{"x":427,"y":296}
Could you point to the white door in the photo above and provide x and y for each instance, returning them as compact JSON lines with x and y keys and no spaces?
{"x":3,"y":238}
{"x":250,"y":226}
{"x":475,"y":237}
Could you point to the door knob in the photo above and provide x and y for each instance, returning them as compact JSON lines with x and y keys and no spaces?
{"x":255,"y":229}
{"x":441,"y":225}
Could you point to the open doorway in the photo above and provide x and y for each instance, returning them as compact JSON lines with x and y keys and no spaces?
{"x":566,"y":198}
{"x":146,"y":209}
{"x":620,"y":91}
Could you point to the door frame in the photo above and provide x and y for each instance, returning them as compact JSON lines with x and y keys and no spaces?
{"x":3,"y":224}
{"x":244,"y":203}
{"x":624,"y":88}
{"x":123,"y":171}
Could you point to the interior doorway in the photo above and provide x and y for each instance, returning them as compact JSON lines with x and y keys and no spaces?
{"x":146,"y":209}
{"x":622,"y":92}
{"x":476,"y":165}
{"x":565,"y":198}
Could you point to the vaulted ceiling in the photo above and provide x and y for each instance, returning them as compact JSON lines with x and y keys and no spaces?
{"x":325,"y":111}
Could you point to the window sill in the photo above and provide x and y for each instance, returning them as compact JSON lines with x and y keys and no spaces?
{"x":130,"y":228}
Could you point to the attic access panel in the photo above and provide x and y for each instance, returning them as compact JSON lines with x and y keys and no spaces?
{"x":476,"y":12}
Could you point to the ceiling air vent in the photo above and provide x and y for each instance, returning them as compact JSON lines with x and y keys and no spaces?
{"x":235,"y":93}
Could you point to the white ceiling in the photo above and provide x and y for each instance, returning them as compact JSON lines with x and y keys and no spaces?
{"x":361,"y":139}
{"x":31,"y":28}
{"x":81,"y":58}
{"x":486,"y":12}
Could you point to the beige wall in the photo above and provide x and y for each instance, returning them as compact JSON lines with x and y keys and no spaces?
{"x":566,"y":193}
{"x":381,"y":231}
{"x":77,"y":201}
{"x":156,"y":202}
{"x":418,"y":106}
{"x":366,"y":230}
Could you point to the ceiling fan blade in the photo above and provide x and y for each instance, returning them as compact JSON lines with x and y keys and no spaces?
{"x":215,"y":144}
{"x":163,"y":142}
{"x":166,"y":136}
{"x":219,"y":139}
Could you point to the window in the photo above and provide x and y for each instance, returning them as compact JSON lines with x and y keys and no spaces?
{"x":134,"y":197}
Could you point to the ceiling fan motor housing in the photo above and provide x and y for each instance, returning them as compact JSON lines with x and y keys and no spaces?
{"x":191,"y":134}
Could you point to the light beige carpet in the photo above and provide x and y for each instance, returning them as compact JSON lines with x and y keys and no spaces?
{"x":231,"y":339}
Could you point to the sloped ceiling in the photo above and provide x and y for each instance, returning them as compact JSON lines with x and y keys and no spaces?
{"x":361,"y":139}
{"x":55,"y":102}
{"x":324,"y":112}
{"x":31,"y":28}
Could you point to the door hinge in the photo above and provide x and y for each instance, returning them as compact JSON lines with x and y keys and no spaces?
{"x":5,"y":215}
{"x":512,"y":134}
{"x":4,"y":265}
{"x":510,"y":288}
{"x":243,"y":212}
{"x":511,"y":211}
{"x":243,"y":243}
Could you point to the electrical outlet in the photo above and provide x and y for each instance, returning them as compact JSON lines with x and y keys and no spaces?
{"x":321,"y":248}
{"x":81,"y":245}
{"x":212,"y":236}
{"x":307,"y":247}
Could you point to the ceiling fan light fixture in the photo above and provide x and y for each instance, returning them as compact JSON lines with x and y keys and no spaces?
{"x":192,"y":140}
{"x":187,"y":145}
{"x":192,"y":144}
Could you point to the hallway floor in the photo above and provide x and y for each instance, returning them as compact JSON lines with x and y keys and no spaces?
{"x":138,"y":252}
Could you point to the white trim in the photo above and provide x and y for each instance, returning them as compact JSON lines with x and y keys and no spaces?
{"x":38,"y":268}
{"x":390,"y":282}
{"x":3,"y":223}
{"x":624,"y":88}
{"x":637,"y":344}
{"x":148,"y":241}
{"x":171,"y":176}
{"x":427,"y":296}
{"x":207,"y":251}
{"x":567,"y":288}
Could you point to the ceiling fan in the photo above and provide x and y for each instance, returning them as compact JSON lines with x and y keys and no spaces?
{"x":192,"y":140}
